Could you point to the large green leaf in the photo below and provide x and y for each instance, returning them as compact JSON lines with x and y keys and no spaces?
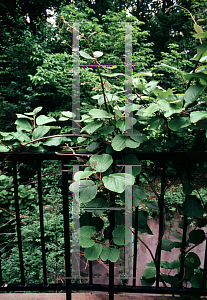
{"x":85,"y":55}
{"x":93,"y":252}
{"x":111,"y":254}
{"x":106,"y":130}
{"x":150,"y":110}
{"x":116,"y":182}
{"x":40,"y":131}
{"x":201,"y":51}
{"x":101,"y":162}
{"x":121,"y":142}
{"x":55,"y":141}
{"x":169,"y":108}
{"x":23,"y":125}
{"x":197,"y":236}
{"x":179,"y":122}
{"x":197,"y":281}
{"x":122,"y":235}
{"x":168,"y":245}
{"x":93,"y":126}
{"x":192,"y":207}
{"x":21,"y":136}
{"x":99,"y":114}
{"x":82,"y":175}
{"x":192,"y":93}
{"x":4,"y":148}
{"x":192,"y":260}
{"x":86,"y":242}
{"x":86,"y":189}
{"x":42,"y":119}
{"x":149,"y":273}
{"x":196,"y":116}
{"x":87,"y":231}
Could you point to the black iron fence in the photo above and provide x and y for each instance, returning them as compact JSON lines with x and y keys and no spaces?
{"x":68,"y":286}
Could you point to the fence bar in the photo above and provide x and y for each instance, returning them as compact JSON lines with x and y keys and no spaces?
{"x":41,"y":222}
{"x":182,"y":250}
{"x":111,"y":264}
{"x":66,"y":230}
{"x":135,"y":247}
{"x":1,"y":279}
{"x":161,"y":225}
{"x":90,"y":262}
{"x":205,"y":269}
{"x":18,"y":222}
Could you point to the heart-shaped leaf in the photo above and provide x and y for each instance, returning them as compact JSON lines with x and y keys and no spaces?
{"x":86,"y":190}
{"x":116,"y":182}
{"x":103,"y":162}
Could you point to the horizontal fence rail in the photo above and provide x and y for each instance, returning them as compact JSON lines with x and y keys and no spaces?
{"x":68,"y":286}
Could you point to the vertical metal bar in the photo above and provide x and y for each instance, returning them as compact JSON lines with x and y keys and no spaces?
{"x":66,"y":230}
{"x":111,"y":264}
{"x":18,"y":222}
{"x":135,"y":241}
{"x":90,"y":262}
{"x":161,"y":226}
{"x":205,"y":269}
{"x":1,"y":279}
{"x":182,"y":257}
{"x":41,"y":222}
{"x":135,"y":247}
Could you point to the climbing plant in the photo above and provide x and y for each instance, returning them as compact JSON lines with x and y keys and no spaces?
{"x":162,"y":120}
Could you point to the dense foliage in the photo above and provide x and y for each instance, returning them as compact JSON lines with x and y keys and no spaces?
{"x":169,"y":114}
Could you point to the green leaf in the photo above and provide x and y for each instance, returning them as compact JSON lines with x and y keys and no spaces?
{"x":93,"y":252}
{"x":82,"y":175}
{"x":97,"y":54}
{"x":201,"y":51}
{"x":149,"y":273}
{"x":112,"y":74}
{"x":168,"y":245}
{"x":103,"y":162}
{"x":198,"y":29}
{"x":116,"y":182}
{"x":85,"y":55}
{"x":99,"y":114}
{"x":21,"y":136}
{"x":169,"y":108}
{"x":150,"y":110}
{"x":23,"y":125}
{"x":42,"y":119}
{"x":187,"y":188}
{"x":188,"y":273}
{"x":192,"y":93}
{"x":196,"y":116}
{"x":111,"y":254}
{"x":197,"y":236}
{"x":4,"y":149}
{"x":20,"y":116}
{"x":86,"y":242}
{"x":55,"y":141}
{"x":85,"y":189}
{"x":93,"y":146}
{"x":92,"y":127}
{"x":147,"y":282}
{"x":40,"y":131}
{"x":179,"y":122}
{"x":121,"y":142}
{"x":192,"y":260}
{"x":192,"y":207}
{"x":87,"y":231}
{"x":36,"y":110}
{"x":106,"y":130}
{"x":142,"y":74}
{"x":122,"y":235}
{"x":197,"y":281}
{"x":68,"y":114}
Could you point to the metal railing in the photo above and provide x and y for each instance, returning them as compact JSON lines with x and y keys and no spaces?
{"x":68,"y":287}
